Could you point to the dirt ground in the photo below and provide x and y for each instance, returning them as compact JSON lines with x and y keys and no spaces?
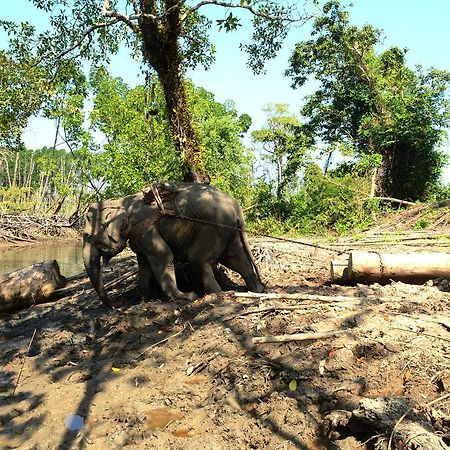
{"x":174,"y":375}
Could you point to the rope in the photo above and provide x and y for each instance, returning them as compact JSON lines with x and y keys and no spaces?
{"x":169,"y":213}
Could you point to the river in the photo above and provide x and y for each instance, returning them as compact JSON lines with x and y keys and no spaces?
{"x":67,"y":253}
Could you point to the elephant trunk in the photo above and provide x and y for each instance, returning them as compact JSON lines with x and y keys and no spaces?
{"x":91,"y":257}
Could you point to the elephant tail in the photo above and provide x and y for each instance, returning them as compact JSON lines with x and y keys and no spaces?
{"x":246,"y":247}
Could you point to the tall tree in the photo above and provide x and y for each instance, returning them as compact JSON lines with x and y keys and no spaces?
{"x":284,"y":143}
{"x":373,"y":103}
{"x":170,"y":35}
{"x":137,"y":145}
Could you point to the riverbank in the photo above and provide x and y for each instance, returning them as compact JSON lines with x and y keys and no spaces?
{"x":18,"y":230}
{"x":110,"y":369}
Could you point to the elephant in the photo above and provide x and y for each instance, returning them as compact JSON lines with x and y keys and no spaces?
{"x":197,"y":224}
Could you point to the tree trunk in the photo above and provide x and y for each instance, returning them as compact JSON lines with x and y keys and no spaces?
{"x":162,"y":51}
{"x":29,"y":286}
{"x":408,"y":267}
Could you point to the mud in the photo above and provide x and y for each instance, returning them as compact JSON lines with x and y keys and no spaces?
{"x":178,"y":375}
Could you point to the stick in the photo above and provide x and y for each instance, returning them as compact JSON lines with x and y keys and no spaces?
{"x":23,"y":363}
{"x":394,"y":200}
{"x":437,"y":400}
{"x":296,"y":337}
{"x":159,"y":342}
{"x":275,"y":308}
{"x":322,"y":298}
{"x":119,"y":280}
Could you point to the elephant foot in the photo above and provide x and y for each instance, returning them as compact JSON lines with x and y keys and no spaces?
{"x":117,"y":302}
{"x":188,"y":296}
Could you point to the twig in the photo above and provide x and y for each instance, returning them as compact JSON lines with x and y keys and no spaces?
{"x":272,"y":309}
{"x":23,"y":362}
{"x":394,"y":200}
{"x":437,"y":400}
{"x":119,"y":280}
{"x":322,"y":298}
{"x":296,"y":337}
{"x":159,"y":342}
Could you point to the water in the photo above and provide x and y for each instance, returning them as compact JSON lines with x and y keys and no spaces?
{"x":68,"y":254}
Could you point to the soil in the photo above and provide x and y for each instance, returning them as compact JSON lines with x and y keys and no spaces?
{"x":177,"y":375}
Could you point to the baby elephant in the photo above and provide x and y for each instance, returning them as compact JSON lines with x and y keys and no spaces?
{"x":189,"y":223}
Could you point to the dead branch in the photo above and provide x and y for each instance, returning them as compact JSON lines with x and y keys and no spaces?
{"x":306,"y":297}
{"x":393,"y":200}
{"x":295,"y":337}
{"x":23,"y":363}
{"x":383,"y":417}
{"x":284,"y":308}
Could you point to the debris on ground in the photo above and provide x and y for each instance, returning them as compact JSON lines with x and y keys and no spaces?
{"x":290,"y":369}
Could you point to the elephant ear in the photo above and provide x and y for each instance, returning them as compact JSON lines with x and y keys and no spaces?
{"x":116,"y":225}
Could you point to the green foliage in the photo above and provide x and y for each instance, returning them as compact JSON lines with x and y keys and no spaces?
{"x":285,"y":145}
{"x":138,"y":148}
{"x":323,"y":204}
{"x":227,"y":161}
{"x":22,"y":90}
{"x":374,"y":104}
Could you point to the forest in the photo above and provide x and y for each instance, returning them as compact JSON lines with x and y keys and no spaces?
{"x":320,"y":324}
{"x":383,"y":121}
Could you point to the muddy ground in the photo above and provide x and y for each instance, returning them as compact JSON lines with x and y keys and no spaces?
{"x":174,"y":375}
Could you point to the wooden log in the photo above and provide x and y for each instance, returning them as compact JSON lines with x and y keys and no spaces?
{"x":367,"y":266}
{"x":29,"y":286}
{"x":339,"y":272}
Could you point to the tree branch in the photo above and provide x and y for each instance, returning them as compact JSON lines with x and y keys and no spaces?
{"x":85,"y":34}
{"x":128,"y":19}
{"x":249,"y":8}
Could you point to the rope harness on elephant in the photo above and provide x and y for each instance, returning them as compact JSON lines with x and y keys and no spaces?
{"x":156,"y":194}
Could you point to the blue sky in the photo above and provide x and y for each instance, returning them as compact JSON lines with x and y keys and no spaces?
{"x":420,"y":26}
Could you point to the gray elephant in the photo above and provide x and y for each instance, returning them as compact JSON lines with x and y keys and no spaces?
{"x":196,"y":224}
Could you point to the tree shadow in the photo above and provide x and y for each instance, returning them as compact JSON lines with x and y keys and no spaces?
{"x":87,"y":338}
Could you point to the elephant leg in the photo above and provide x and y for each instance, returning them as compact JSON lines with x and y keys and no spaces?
{"x":237,"y":260}
{"x":160,"y":259}
{"x":147,"y":281}
{"x":205,"y":274}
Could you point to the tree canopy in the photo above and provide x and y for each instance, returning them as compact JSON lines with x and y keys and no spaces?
{"x":372,"y":104}
{"x":284,"y":144}
{"x":168,"y":36}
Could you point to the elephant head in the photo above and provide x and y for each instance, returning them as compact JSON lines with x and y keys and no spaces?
{"x":104,"y":236}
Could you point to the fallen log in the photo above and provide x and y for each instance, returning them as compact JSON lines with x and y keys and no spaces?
{"x":389,"y":420}
{"x":407,"y":267}
{"x":29,"y":286}
{"x":339,"y":272}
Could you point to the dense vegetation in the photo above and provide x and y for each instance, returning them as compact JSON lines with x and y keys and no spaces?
{"x":383,"y":120}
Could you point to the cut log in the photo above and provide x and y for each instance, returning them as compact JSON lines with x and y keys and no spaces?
{"x":407,"y":267}
{"x":339,"y":272}
{"x":29,"y":286}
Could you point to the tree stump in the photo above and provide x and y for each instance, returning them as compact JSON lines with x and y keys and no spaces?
{"x":29,"y":286}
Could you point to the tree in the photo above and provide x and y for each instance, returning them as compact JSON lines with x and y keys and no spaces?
{"x":21,"y":93}
{"x":285,"y":143}
{"x":170,"y":35}
{"x":373,"y":104}
{"x":138,"y":147}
